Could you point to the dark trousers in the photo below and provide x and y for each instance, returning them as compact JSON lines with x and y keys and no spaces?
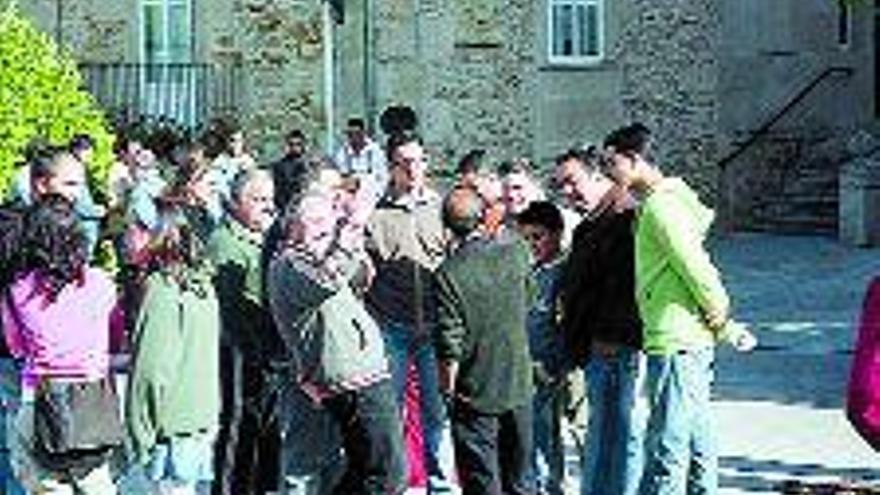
{"x":247,"y":456}
{"x":493,"y":451}
{"x":372,"y":436}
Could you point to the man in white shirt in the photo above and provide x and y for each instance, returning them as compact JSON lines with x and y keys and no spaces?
{"x":361,"y":157}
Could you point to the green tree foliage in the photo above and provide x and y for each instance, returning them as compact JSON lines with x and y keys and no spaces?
{"x":41,"y":97}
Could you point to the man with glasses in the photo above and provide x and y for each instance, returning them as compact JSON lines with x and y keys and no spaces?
{"x":407,"y":244}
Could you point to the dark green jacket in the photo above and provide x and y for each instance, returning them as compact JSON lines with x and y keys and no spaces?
{"x":484,"y":294}
{"x":244,"y":310}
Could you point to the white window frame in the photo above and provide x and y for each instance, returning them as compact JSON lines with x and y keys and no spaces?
{"x":578,"y":59}
{"x":166,"y":92}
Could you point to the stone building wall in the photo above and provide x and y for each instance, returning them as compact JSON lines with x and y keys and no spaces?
{"x":702,"y":73}
{"x":94,"y":30}
{"x":277,"y":43}
{"x":770,"y":54}
{"x":467,"y":68}
{"x":281,"y":48}
{"x":668,"y":55}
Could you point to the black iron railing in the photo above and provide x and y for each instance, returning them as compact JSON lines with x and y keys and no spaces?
{"x":188,"y":94}
{"x":761,"y":167}
{"x":784,"y":110}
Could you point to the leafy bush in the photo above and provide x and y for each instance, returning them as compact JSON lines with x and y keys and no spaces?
{"x":41,"y":97}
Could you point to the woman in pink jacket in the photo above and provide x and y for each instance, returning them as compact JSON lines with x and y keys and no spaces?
{"x":56,"y":315}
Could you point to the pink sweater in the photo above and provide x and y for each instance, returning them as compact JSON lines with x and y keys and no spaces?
{"x":68,"y":338}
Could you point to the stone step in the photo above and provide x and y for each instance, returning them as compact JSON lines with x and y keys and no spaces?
{"x":805,"y":224}
{"x":801,"y":199}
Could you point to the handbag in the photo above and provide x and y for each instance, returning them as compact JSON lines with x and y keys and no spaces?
{"x":75,"y":416}
{"x":72,"y":416}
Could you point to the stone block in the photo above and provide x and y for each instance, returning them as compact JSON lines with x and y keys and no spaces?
{"x":859,"y":205}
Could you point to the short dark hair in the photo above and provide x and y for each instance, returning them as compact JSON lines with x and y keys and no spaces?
{"x":81,"y":142}
{"x":471,"y":162}
{"x":631,"y":139}
{"x":587,"y":155}
{"x":44,"y":160}
{"x":399,"y":139}
{"x":519,"y":165}
{"x":544,"y":214}
{"x":462,"y":210}
{"x":295,"y":134}
{"x":356,"y":122}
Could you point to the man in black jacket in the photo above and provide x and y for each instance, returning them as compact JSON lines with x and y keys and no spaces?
{"x":601,"y":324}
{"x":289,"y":172}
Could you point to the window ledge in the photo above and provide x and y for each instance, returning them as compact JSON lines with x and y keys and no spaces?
{"x":586,"y":66}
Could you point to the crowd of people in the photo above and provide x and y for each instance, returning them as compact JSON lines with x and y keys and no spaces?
{"x":343,"y":325}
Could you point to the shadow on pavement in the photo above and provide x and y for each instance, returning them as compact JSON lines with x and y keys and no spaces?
{"x":758,"y":475}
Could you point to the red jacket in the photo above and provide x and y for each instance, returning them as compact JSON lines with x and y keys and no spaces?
{"x":863,"y":397}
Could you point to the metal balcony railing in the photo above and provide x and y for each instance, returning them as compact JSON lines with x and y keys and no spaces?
{"x":188,"y":94}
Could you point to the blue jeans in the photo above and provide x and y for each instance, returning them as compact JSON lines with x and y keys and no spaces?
{"x":680,"y":445}
{"x":312,"y":458}
{"x":618,"y":411}
{"x":9,"y":397}
{"x":439,"y":454}
{"x":548,"y":457}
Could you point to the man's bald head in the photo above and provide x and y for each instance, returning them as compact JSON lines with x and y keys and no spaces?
{"x":462,"y":211}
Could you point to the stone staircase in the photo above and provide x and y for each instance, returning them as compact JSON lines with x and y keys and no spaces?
{"x":804,"y":201}
{"x":788,"y":183}
{"x":792,"y":185}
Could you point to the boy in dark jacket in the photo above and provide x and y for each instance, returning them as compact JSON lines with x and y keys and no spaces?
{"x":541,"y":224}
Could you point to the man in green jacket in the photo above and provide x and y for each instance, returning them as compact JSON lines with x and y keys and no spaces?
{"x":248,"y":450}
{"x":685,"y":311}
{"x":482,"y":346}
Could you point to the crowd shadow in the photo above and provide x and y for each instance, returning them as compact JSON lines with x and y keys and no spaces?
{"x":765,"y":475}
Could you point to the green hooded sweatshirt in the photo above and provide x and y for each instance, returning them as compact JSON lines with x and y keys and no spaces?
{"x":676,"y":282}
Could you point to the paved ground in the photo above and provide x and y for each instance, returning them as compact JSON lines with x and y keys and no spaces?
{"x":780,"y":409}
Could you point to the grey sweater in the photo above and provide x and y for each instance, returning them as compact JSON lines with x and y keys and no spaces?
{"x":335,"y":342}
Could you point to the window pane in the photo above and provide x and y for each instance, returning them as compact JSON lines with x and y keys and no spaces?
{"x":154,"y":47}
{"x":566,"y":30}
{"x":576,"y":28}
{"x":557,"y":32}
{"x":178,"y":33}
{"x":580,"y":26}
{"x":152,"y":32}
{"x":591,"y":40}
{"x":843,"y":23}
